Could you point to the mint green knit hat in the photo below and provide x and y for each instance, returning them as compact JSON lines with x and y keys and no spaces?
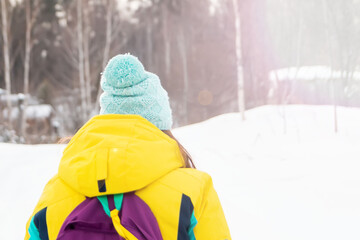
{"x":129,"y":89}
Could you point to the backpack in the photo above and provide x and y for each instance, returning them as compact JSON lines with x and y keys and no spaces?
{"x":110,"y":217}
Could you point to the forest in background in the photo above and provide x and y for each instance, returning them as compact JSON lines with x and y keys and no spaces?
{"x":212,"y":56}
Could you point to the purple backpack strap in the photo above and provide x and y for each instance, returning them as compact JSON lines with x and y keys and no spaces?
{"x":136,"y":216}
{"x":92,"y":219}
{"x":88,"y":221}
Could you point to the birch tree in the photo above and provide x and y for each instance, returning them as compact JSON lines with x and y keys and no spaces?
{"x":330,"y":51}
{"x":5,"y":33}
{"x":31,"y":14}
{"x":81,"y":60}
{"x":239,"y":67}
{"x":87,"y":75}
{"x":108,"y":35}
{"x":181,"y":41}
{"x":165,"y":33}
{"x":183,"y":56}
{"x":108,"y":40}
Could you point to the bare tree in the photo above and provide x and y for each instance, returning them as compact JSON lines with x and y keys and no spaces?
{"x":31,"y":14}
{"x":149,"y":44}
{"x":165,"y":33}
{"x":287,"y":95}
{"x":183,"y":56}
{"x":108,"y":40}
{"x":340,"y":20}
{"x":108,"y":35}
{"x":81,"y":60}
{"x":5,"y":33}
{"x":330,"y":51}
{"x":86,"y":46}
{"x":183,"y":32}
{"x":239,"y":67}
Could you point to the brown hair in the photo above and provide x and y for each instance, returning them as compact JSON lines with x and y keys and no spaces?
{"x":185,"y":154}
{"x":64,"y":140}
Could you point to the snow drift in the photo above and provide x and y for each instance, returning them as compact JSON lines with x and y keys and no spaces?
{"x":281,"y":174}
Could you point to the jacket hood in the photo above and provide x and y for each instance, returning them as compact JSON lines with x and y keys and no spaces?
{"x":116,"y":153}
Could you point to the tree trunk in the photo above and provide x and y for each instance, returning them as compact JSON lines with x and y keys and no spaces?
{"x":6,"y":58}
{"x":334,"y":105}
{"x":330,"y":50}
{"x":239,"y":67}
{"x":108,"y":34}
{"x":81,"y":61}
{"x":26,"y":65}
{"x":87,"y":59}
{"x":183,"y":56}
{"x":166,"y":40}
{"x":298,"y":62}
{"x":149,"y":45}
{"x":108,"y":39}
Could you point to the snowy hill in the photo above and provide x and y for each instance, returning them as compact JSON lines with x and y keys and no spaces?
{"x":304,"y":184}
{"x":301,"y":185}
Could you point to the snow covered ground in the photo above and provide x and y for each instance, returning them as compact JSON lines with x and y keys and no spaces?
{"x":302,"y":184}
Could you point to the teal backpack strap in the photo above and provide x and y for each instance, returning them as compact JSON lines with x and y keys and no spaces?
{"x":104,"y":200}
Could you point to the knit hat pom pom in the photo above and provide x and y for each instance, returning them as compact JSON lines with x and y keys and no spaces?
{"x":124,"y":71}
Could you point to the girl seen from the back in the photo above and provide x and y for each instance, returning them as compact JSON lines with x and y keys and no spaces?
{"x":124,"y":176}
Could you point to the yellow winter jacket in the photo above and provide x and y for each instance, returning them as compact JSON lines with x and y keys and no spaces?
{"x":127,"y":153}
